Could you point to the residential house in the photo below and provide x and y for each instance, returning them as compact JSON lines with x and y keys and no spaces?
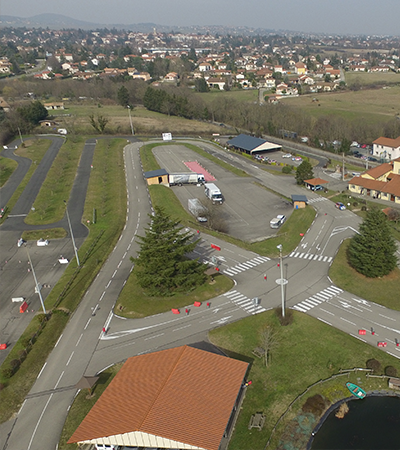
{"x":386,"y":148}
{"x":380,"y":182}
{"x":4,"y":105}
{"x":205,"y":67}
{"x":171,"y":77}
{"x":300,"y":68}
{"x":54,"y":105}
{"x":216,"y":82}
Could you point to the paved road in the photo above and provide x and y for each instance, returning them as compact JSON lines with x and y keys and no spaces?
{"x":83,"y":349}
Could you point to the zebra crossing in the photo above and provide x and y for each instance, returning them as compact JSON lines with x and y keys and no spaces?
{"x":316,"y":199}
{"x":250,"y":264}
{"x":318,"y":298}
{"x":244,"y":302}
{"x":311,"y":256}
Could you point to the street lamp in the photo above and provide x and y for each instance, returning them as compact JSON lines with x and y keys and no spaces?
{"x":279,"y":247}
{"x":130,"y":120}
{"x":38,"y":288}
{"x":72,"y":234}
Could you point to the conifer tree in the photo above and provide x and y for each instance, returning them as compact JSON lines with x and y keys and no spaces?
{"x":372,"y":251}
{"x":161,"y":266}
{"x":304,"y":172}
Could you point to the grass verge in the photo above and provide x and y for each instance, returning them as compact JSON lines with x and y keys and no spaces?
{"x":49,"y":204}
{"x":7,"y":167}
{"x":306,"y":351}
{"x":384,"y":291}
{"x":51,"y":233}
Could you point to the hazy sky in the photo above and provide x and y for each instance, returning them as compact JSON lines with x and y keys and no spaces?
{"x":327,"y":16}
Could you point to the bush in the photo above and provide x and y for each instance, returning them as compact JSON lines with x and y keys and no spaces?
{"x":355,"y":204}
{"x":391,"y":371}
{"x":374,"y":365}
{"x":2,"y":386}
{"x":288,"y":319}
{"x":315,"y":405}
{"x":363,"y":208}
{"x":287,"y":169}
{"x":7,"y":372}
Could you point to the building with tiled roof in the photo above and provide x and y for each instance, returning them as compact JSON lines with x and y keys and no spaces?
{"x":180,"y":398}
{"x":386,"y":148}
{"x":380,"y":182}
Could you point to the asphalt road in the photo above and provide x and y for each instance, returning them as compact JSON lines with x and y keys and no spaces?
{"x":84,"y":349}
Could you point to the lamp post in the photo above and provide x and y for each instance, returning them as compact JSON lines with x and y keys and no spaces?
{"x":279,"y":247}
{"x":38,"y":288}
{"x":130,"y":120}
{"x":72,"y":234}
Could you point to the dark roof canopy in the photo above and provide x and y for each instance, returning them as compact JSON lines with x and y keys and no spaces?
{"x":155,"y":173}
{"x":246,"y":142}
{"x":299,"y":198}
{"x":86,"y":382}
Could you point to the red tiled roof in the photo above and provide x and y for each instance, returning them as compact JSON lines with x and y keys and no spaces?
{"x":315,"y":181}
{"x":380,"y":170}
{"x":387,"y":142}
{"x":183,"y":394}
{"x":393,"y":186}
{"x":368,"y":183}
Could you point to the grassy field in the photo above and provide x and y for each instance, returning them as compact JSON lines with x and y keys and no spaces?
{"x":367,"y":78}
{"x":240,"y":95}
{"x":372,"y":105}
{"x":7,"y":167}
{"x":49,"y":204}
{"x":305,"y":352}
{"x":33,"y":149}
{"x":146,"y":123}
{"x":384,"y":291}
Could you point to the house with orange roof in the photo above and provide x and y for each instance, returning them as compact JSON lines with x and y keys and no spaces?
{"x":180,"y":398}
{"x":386,"y":148}
{"x":380,"y":182}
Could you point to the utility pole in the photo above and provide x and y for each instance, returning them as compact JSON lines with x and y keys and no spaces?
{"x":282,"y":281}
{"x":130,"y":120}
{"x":72,"y":234}
{"x":343,"y":168}
{"x":38,"y":288}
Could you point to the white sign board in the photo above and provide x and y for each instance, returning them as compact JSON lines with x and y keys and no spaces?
{"x":167,"y":137}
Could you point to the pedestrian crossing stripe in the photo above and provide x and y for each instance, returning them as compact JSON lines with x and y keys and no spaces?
{"x":311,"y":256}
{"x":318,"y":298}
{"x":250,"y":264}
{"x":315,"y":200}
{"x":244,"y":302}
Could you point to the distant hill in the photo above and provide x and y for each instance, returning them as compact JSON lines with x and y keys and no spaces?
{"x":59,"y":22}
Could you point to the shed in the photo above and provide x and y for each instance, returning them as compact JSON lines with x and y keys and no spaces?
{"x":299,"y":201}
{"x":314,"y":182}
{"x":252,"y":145}
{"x":394,"y":383}
{"x":159,"y":176}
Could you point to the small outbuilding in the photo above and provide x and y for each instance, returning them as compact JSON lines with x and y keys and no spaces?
{"x":252,"y":145}
{"x":394,"y":383}
{"x":299,"y":201}
{"x":314,"y":182}
{"x":159,"y":176}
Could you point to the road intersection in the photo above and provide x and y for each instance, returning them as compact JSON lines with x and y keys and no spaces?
{"x":84,"y":349}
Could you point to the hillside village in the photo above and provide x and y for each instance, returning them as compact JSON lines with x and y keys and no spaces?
{"x":284,"y":65}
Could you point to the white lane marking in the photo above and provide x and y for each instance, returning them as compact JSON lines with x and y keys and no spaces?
{"x":79,"y":340}
{"x":328,"y":312}
{"x":69,"y":360}
{"x":348,"y":321}
{"x":58,"y":340}
{"x":358,"y":337}
{"x":119,"y":264}
{"x":325,"y":321}
{"x":102,"y":295}
{"x":124,"y":255}
{"x":59,"y":379}
{"x":153,"y":337}
{"x":115,"y":272}
{"x":386,"y":317}
{"x":181,"y":328}
{"x":87,"y":323}
{"x":396,"y":356}
{"x":38,"y":422}
{"x":108,"y":284}
{"x":41,"y":370}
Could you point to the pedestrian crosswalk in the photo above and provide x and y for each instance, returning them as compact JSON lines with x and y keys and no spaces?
{"x":249,"y":305}
{"x":250,"y":264}
{"x":316,"y":199}
{"x":316,"y":299}
{"x":311,"y":256}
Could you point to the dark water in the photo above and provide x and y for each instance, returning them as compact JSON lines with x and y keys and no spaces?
{"x":371,"y":424}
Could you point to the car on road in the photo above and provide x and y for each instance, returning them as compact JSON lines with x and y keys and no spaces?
{"x":282,"y":218}
{"x":340,"y":205}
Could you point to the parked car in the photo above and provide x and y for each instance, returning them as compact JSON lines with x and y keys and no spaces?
{"x":317,"y":188}
{"x":20,"y":242}
{"x":282,"y":218}
{"x":371,"y":158}
{"x":287,"y":155}
{"x":354,"y":144}
{"x":340,"y":205}
{"x":42,"y":242}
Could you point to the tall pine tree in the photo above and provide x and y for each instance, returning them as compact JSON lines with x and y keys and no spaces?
{"x":161,"y":266}
{"x":372,"y":251}
{"x":304,"y":172}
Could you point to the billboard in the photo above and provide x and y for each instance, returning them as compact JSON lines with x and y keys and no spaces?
{"x":167,"y":136}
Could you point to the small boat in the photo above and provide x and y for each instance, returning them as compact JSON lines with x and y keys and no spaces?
{"x":356,"y":390}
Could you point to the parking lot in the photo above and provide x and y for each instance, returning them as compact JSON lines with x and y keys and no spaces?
{"x":247,"y":208}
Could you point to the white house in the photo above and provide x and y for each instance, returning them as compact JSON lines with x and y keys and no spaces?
{"x":386,"y":148}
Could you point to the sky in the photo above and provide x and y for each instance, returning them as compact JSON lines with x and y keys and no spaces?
{"x":366,"y":17}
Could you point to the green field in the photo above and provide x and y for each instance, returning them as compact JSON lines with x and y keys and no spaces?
{"x":7,"y":167}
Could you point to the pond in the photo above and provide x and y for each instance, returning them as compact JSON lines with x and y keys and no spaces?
{"x":370,"y":424}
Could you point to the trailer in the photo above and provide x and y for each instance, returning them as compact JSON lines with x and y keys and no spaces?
{"x":197,"y":209}
{"x":185,"y":178}
{"x":213,"y":193}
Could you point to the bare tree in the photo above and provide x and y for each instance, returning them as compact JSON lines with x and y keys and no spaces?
{"x":268,"y":342}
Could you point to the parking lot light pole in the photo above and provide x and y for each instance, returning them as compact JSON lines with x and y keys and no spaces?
{"x":38,"y":288}
{"x":279,"y":247}
{"x":72,"y":234}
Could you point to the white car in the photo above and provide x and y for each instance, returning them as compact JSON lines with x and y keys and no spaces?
{"x":42,"y":242}
{"x":282,"y":218}
{"x":20,"y":242}
{"x":287,"y":155}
